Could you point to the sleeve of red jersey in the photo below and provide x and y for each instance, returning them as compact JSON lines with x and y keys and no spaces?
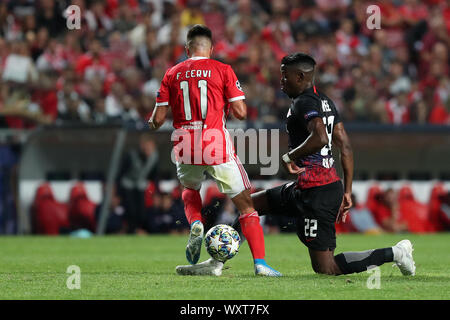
{"x":162,"y":96}
{"x":233,"y":90}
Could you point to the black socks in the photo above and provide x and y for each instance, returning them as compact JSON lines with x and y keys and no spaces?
{"x":351,"y":262}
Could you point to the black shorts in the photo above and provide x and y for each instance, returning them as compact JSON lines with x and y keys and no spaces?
{"x":316,"y":210}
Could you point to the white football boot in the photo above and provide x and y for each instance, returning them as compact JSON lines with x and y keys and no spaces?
{"x":194,"y":245}
{"x":403,"y":257}
{"x":209,"y":267}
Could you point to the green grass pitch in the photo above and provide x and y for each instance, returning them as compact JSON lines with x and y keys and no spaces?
{"x":143,"y":267}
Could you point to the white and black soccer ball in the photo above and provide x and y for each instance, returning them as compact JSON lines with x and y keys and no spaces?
{"x":222,"y":242}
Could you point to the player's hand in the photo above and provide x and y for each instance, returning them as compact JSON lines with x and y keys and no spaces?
{"x":345,"y":208}
{"x":151,"y":125}
{"x":292,"y":168}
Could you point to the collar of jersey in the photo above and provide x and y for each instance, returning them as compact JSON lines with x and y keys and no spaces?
{"x":197,"y":58}
{"x":306,"y":91}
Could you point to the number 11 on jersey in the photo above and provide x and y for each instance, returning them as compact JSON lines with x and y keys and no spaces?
{"x":203,"y":86}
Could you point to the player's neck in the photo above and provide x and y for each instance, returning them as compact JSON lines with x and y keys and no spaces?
{"x":199,"y":56}
{"x":302,"y":90}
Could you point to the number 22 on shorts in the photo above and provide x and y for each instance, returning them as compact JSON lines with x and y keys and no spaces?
{"x":310,"y":227}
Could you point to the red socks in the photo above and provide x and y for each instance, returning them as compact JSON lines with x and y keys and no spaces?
{"x":192,"y":205}
{"x":253,"y":231}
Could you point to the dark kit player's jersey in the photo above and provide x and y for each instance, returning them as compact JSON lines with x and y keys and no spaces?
{"x":319,"y":167}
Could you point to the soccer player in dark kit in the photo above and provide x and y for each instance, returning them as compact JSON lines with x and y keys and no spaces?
{"x":318,"y":198}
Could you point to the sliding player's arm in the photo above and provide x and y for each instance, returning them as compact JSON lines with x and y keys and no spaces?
{"x":341,"y":140}
{"x":316,"y":140}
{"x":158,"y":117}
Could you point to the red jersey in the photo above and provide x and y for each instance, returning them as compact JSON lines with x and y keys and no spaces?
{"x":199,"y":91}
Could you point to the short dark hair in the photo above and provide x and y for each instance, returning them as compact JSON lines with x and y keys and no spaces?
{"x":302,"y":59}
{"x":199,"y":30}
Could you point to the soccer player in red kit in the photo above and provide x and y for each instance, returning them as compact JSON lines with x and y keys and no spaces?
{"x":201,"y":92}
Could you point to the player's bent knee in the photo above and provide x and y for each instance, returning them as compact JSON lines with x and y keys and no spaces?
{"x":328,"y":269}
{"x":324,"y":270}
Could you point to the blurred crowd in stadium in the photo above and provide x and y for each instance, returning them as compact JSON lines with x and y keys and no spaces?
{"x":110,"y":69}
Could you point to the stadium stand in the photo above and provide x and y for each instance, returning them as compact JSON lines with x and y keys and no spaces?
{"x":108,"y":72}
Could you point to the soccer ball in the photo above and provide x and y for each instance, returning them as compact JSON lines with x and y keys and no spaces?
{"x":222,"y":242}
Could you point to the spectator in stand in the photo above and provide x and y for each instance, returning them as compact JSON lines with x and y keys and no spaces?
{"x":129,"y":113}
{"x":166,"y":215}
{"x":192,"y":14}
{"x":93,"y":63}
{"x":19,"y":68}
{"x":20,"y":78}
{"x":439,"y":208}
{"x":119,"y":49}
{"x":178,"y":222}
{"x":361,"y":219}
{"x":132,"y":81}
{"x":114,"y":100}
{"x":138,"y":167}
{"x":125,"y":20}
{"x":50,"y":16}
{"x":246,"y":19}
{"x":387,"y":213}
{"x":215,"y":18}
{"x":228,"y":49}
{"x":9,"y":158}
{"x":73,"y":110}
{"x":146,"y":52}
{"x":146,"y":23}
{"x":45,"y":96}
{"x":52,"y":59}
{"x":362,"y":68}
{"x":173,"y":31}
{"x":71,"y":107}
{"x":114,"y":224}
{"x":97,"y":19}
{"x":154,"y":221}
{"x":397,"y":108}
{"x":99,"y":115}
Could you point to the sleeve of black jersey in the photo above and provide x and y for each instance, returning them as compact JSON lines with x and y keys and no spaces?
{"x":307,"y":108}
{"x":337,"y":117}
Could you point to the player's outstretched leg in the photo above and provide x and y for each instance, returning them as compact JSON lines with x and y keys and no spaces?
{"x":192,"y":207}
{"x":209,"y":267}
{"x":401,"y":254}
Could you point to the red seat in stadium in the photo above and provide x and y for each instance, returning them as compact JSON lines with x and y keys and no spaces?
{"x":375,"y":205}
{"x":345,"y":227}
{"x":81,"y":209}
{"x":438,"y":219}
{"x":48,"y":215}
{"x":413,"y":212}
